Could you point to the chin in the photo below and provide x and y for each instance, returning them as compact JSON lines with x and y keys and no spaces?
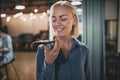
{"x":61,"y":35}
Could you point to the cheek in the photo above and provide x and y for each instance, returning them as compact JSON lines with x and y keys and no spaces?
{"x":69,"y":24}
{"x":54,"y":29}
{"x":68,"y":28}
{"x":53,"y":25}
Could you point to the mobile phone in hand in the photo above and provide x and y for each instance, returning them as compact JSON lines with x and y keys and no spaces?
{"x":43,"y":42}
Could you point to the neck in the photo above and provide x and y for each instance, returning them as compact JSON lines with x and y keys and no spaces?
{"x":66,"y":38}
{"x":65,"y":44}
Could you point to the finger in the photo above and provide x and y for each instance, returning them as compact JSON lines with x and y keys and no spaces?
{"x":56,"y":52}
{"x":61,"y":43}
{"x":56,"y":48}
{"x":56,"y":44}
{"x":46,"y":47}
{"x":55,"y":55}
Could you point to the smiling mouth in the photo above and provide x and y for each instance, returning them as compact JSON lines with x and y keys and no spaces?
{"x":59,"y":29}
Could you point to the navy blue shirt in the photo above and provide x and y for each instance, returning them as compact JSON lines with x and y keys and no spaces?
{"x":75,"y":67}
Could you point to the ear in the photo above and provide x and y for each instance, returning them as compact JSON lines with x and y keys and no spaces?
{"x":75,"y":20}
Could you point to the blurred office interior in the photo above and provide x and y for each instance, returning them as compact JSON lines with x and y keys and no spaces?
{"x":99,"y":29}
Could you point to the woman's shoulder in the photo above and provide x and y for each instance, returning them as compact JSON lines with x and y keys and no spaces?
{"x":79,"y":43}
{"x":82,"y":47}
{"x":6,"y":37}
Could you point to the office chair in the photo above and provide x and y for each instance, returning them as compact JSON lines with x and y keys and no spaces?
{"x":6,"y":70}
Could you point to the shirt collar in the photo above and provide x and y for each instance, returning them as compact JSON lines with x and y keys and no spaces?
{"x":75,"y":43}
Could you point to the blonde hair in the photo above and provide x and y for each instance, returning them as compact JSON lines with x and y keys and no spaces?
{"x":70,"y":7}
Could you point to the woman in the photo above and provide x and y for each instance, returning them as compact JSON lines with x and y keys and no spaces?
{"x":6,"y":50}
{"x":68,"y":58}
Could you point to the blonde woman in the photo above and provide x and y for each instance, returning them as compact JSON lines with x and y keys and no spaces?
{"x":68,"y":57}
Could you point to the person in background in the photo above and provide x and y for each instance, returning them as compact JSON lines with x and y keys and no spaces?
{"x":67,"y":57}
{"x":6,"y":50}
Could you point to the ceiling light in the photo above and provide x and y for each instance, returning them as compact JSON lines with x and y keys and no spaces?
{"x":19,"y":7}
{"x":76,"y":3}
{"x":3,"y":15}
{"x":8,"y":19}
{"x":18,"y":14}
{"x":35,"y":10}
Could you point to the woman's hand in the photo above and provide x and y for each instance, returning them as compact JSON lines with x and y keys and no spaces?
{"x":1,"y":50}
{"x":51,"y":54}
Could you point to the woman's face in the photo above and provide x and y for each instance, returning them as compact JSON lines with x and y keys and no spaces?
{"x":62,"y":21}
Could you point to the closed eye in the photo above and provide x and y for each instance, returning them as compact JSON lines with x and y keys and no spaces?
{"x":63,"y":19}
{"x":54,"y":20}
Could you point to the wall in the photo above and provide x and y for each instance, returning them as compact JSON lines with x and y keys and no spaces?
{"x":26,"y":23}
{"x":119,"y":30}
{"x":111,"y":16}
{"x":93,"y":36}
{"x":110,"y":9}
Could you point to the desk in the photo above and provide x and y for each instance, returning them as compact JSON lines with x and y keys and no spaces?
{"x":113,"y":67}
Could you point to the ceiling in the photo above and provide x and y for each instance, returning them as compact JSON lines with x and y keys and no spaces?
{"x":8,"y":6}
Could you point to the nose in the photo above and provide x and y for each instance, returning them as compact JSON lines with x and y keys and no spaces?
{"x":57,"y":22}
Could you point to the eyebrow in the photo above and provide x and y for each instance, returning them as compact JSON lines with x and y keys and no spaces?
{"x":60,"y":16}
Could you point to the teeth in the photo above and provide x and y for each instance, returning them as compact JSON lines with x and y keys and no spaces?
{"x":59,"y":29}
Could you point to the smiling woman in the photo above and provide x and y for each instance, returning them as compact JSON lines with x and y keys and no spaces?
{"x":67,"y":17}
{"x":68,"y":57}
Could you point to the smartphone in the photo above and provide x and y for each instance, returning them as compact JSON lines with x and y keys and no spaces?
{"x":43,"y":42}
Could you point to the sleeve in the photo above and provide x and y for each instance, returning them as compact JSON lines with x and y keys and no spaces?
{"x":7,"y":45}
{"x":43,"y":71}
{"x":87,"y":66}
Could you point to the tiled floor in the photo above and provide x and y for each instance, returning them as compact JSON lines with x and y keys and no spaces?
{"x":25,"y":65}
